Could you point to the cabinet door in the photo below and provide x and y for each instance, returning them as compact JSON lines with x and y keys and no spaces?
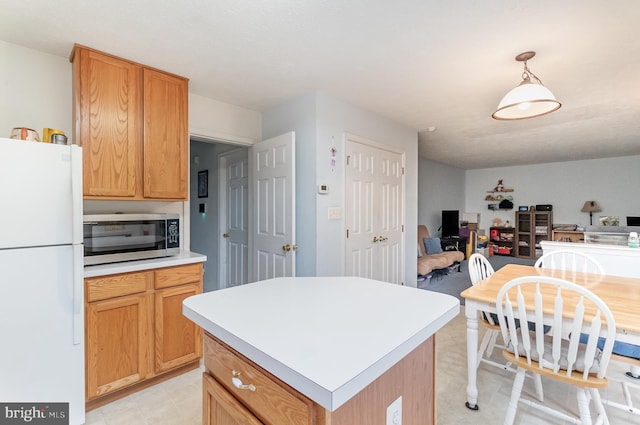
{"x":118,"y":336}
{"x":165,"y":136}
{"x":178,"y":339}
{"x":221,"y":408}
{"x":108,"y":125}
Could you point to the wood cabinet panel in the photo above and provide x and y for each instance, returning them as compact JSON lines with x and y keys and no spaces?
{"x":177,"y":339}
{"x":132,"y":122}
{"x":117,"y":343}
{"x":221,"y":408}
{"x":165,"y":140}
{"x":108,"y":111}
{"x":273,"y":402}
{"x":135,"y":334}
{"x":102,"y":288}
{"x":174,"y":276}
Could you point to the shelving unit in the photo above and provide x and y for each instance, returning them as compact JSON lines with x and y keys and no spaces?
{"x":567,"y":236}
{"x":502,"y":240}
{"x":532,"y":227}
{"x":498,"y":194}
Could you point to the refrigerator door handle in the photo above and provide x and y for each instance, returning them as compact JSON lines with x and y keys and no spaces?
{"x":78,"y":295}
{"x":76,"y":194}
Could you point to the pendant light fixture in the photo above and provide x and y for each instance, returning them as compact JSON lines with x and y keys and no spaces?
{"x":530,"y":99}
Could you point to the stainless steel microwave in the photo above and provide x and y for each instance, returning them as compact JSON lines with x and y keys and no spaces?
{"x":110,"y":238}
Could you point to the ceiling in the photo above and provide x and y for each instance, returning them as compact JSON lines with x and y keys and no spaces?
{"x":424,"y":64}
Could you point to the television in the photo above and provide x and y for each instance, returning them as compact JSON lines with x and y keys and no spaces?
{"x":633,"y":221}
{"x":450,"y":223}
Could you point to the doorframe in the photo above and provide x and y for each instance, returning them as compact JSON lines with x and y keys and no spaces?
{"x":191,"y":203}
{"x":378,"y":145}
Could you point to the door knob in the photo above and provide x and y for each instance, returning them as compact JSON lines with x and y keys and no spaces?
{"x":375,"y":239}
{"x":382,"y":238}
{"x":286,"y":247}
{"x":226,"y":235}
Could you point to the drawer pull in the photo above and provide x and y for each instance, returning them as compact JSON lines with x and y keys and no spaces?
{"x":237,"y":382}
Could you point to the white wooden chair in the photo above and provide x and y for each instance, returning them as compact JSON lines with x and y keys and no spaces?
{"x":480,"y":269}
{"x":566,"y":360}
{"x":569,"y":260}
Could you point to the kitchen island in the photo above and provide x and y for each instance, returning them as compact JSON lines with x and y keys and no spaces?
{"x":319,"y":350}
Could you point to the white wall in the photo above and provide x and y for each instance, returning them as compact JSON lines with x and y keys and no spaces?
{"x":440,"y":187}
{"x":612,"y":182}
{"x":221,"y":121}
{"x":320,"y":123}
{"x":35,"y":90}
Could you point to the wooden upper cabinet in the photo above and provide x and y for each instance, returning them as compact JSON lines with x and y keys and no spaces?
{"x":132,"y":123}
{"x":165,"y":141}
{"x":108,"y":122}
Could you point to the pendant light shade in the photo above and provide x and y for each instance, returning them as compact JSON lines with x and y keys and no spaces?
{"x":529,"y":99}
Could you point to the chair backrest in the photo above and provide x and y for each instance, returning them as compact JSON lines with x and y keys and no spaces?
{"x":479,"y":268}
{"x":570,"y":260}
{"x":522,"y":299}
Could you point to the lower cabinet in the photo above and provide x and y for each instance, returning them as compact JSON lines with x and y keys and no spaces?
{"x":135,"y":333}
{"x":117,"y":344}
{"x":236,"y":391}
{"x":178,"y":339}
{"x":221,"y":408}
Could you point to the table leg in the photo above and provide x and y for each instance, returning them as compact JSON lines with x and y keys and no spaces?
{"x":471,"y":312}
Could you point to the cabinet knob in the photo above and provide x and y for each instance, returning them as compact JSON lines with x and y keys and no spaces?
{"x":237,"y":382}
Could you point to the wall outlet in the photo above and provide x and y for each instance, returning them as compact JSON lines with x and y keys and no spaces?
{"x":394,"y":412}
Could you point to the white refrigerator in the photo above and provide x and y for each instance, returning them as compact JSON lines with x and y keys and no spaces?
{"x":41,"y":276}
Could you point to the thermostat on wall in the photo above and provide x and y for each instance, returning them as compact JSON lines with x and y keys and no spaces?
{"x":323,"y":189}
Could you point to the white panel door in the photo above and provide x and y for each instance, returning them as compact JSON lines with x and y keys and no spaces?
{"x":234,"y":249}
{"x":360,"y":189}
{"x":272,"y":210}
{"x":374,"y":212}
{"x":390,"y":216}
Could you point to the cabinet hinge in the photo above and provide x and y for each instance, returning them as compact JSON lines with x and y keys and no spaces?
{"x":347,"y":233}
{"x":348,"y":158}
{"x":403,"y":171}
{"x":403,"y":228}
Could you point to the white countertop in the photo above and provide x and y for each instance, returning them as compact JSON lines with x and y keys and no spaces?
{"x":185,"y":257}
{"x":327,"y":337}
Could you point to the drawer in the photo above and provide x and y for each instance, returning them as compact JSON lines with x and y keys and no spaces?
{"x":172,"y":276}
{"x":272,"y":401}
{"x":105,"y":287}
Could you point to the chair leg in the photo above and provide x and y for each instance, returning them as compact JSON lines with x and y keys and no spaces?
{"x":583,"y":406}
{"x":515,"y":396}
{"x":492,"y":342}
{"x":538,"y":382}
{"x":602,"y":413}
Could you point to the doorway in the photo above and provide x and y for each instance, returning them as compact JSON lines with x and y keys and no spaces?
{"x":206,"y":232}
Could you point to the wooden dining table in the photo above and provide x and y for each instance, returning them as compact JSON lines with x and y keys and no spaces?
{"x":621,"y":294}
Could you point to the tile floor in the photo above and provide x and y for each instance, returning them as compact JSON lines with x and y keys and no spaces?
{"x":178,"y":401}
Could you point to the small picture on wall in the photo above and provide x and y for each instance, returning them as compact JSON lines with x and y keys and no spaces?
{"x":203,"y":184}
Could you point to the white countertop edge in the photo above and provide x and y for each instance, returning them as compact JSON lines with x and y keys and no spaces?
{"x":185,"y":257}
{"x":320,"y":395}
{"x":599,"y":247}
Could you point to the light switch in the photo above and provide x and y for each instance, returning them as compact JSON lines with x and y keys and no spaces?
{"x":334,"y":213}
